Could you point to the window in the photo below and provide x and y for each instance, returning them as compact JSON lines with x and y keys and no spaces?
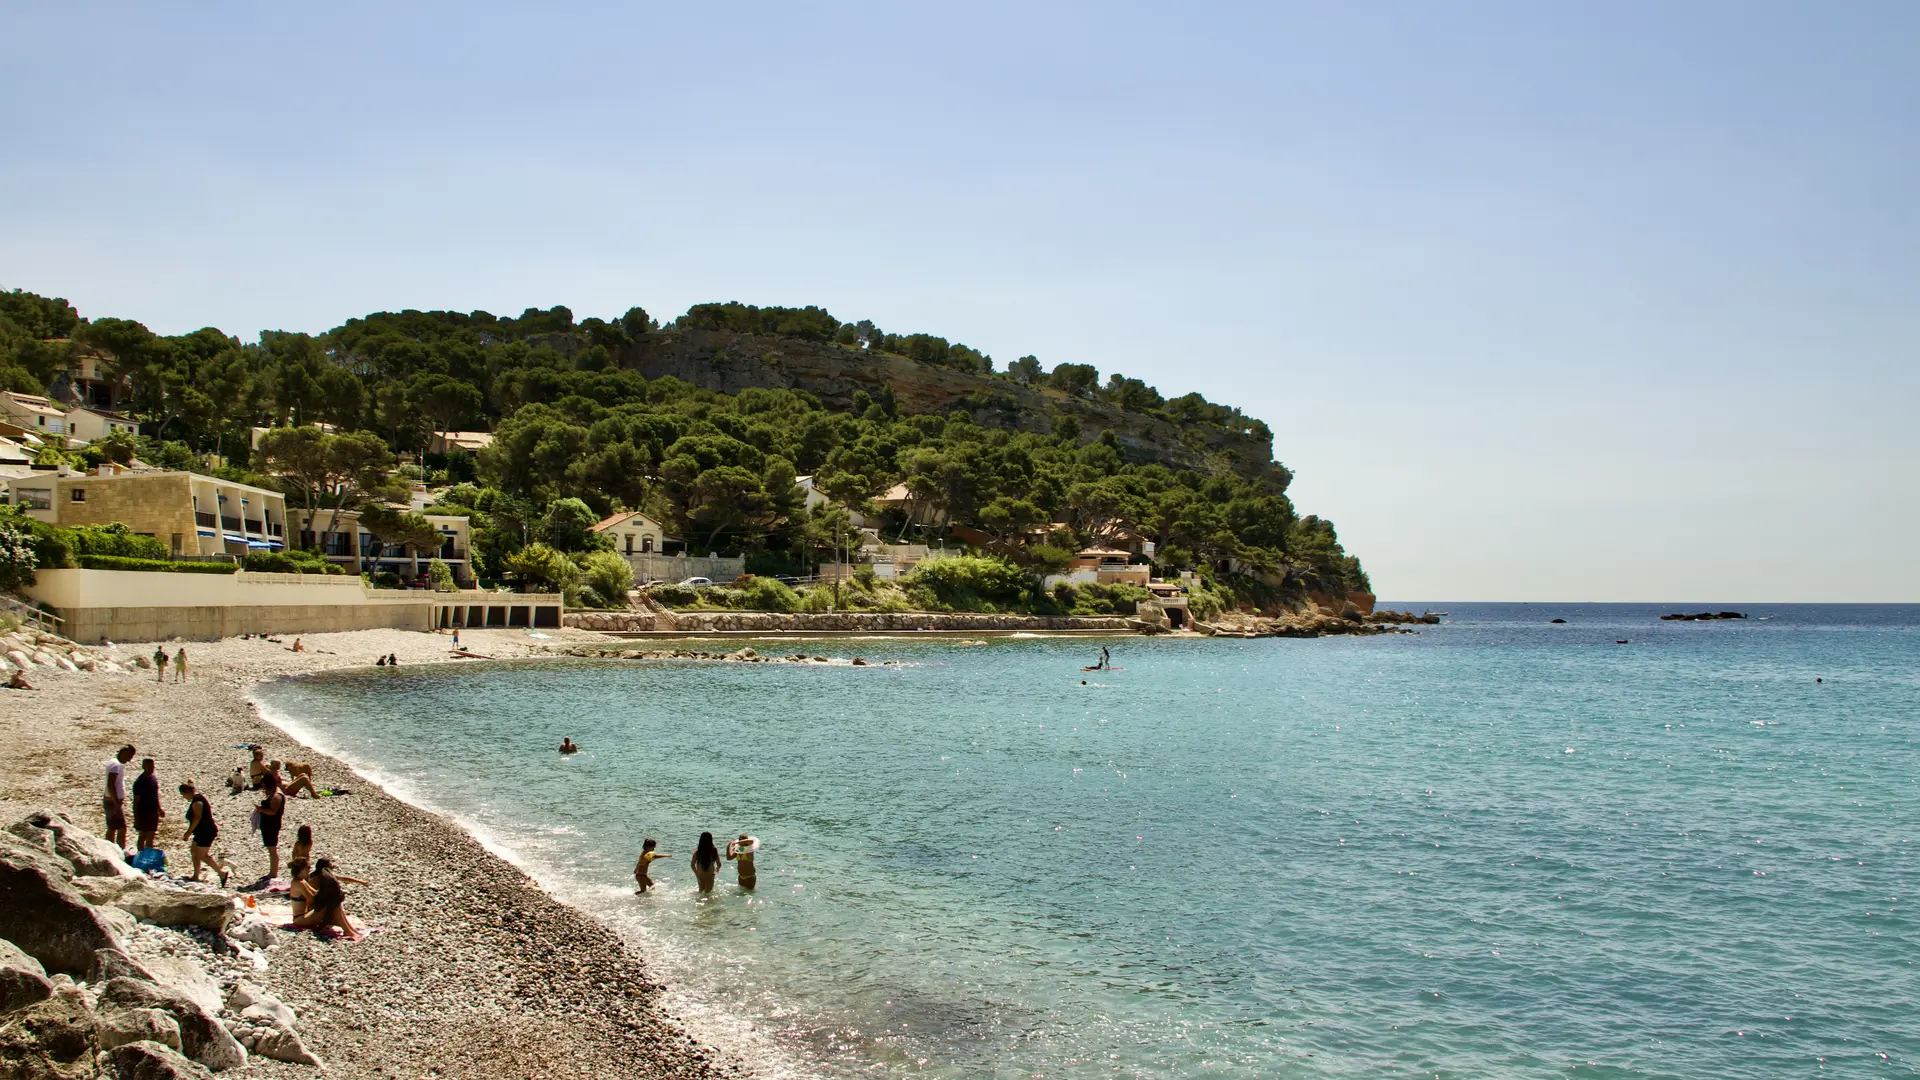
{"x":79,"y":494}
{"x":33,"y":498}
{"x":646,"y":543}
{"x":629,"y":543}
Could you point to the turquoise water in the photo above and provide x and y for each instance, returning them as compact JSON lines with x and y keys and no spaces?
{"x":1500,"y":847}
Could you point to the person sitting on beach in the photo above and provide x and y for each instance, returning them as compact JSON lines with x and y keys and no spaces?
{"x":202,"y":831}
{"x":300,"y":778}
{"x":706,"y":862}
{"x":647,"y":855}
{"x":380,"y":661}
{"x":299,"y":889}
{"x":567,"y":745}
{"x":392,"y":660}
{"x":296,"y":646}
{"x":18,"y":681}
{"x":741,"y":852}
{"x":327,"y":906}
{"x":258,"y":768}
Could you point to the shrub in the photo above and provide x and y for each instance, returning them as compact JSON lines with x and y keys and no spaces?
{"x":1096,"y":599}
{"x":968,"y":583}
{"x":674,"y":595}
{"x":118,"y":562}
{"x":17,"y":560}
{"x":542,"y":566}
{"x":386,"y":579}
{"x":440,"y":576}
{"x":114,"y":539}
{"x":288,"y":562}
{"x":763,"y":594}
{"x":608,"y":577}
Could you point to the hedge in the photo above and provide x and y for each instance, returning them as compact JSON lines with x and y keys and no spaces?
{"x":117,"y":562}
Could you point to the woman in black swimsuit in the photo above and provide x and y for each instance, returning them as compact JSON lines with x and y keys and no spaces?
{"x":202,"y":831}
{"x":273,"y":810}
{"x":328,"y":906}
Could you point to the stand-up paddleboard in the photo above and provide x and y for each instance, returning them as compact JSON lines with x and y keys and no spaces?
{"x":1097,"y":667}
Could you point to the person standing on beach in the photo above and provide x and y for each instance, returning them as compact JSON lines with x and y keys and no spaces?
{"x":706,"y":862}
{"x":202,"y":832}
{"x":146,"y":805}
{"x":160,"y":663}
{"x":741,"y":853}
{"x":180,"y":665}
{"x":647,"y":855}
{"x":273,"y":810}
{"x":114,"y":803}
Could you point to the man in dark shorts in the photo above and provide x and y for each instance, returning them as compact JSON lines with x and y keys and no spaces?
{"x":114,"y":802}
{"x":273,"y":810}
{"x":146,"y":805}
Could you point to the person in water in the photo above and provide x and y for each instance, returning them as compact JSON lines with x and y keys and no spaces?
{"x":741,"y":853}
{"x":1106,"y":658}
{"x":202,"y":831}
{"x":146,"y":805}
{"x":567,"y":745}
{"x":273,"y":810}
{"x":647,"y":855}
{"x":706,"y":862}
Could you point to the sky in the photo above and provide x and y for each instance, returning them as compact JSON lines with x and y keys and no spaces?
{"x":1542,"y":301}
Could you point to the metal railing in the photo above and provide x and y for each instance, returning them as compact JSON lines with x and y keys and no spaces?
{"x":28,"y":613}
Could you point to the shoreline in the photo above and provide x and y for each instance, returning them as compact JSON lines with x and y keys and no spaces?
{"x":475,"y":971}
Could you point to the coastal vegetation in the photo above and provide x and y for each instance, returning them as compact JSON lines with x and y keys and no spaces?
{"x":705,"y":423}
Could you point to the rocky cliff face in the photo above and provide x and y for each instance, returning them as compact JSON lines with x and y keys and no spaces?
{"x":729,"y":362}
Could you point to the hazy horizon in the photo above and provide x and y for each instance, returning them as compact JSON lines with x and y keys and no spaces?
{"x":1612,"y":304}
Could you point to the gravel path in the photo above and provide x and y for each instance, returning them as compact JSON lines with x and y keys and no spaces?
{"x":475,"y":972}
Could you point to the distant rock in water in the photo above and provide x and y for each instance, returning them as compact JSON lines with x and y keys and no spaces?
{"x":1704,"y":616}
{"x":1557,"y":620}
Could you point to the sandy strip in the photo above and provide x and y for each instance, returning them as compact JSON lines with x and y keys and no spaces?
{"x":475,"y":972}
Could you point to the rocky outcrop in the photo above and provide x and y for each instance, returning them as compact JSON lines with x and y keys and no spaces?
{"x":730,"y":362}
{"x":44,"y":915}
{"x":157,"y":1016}
{"x":89,"y":855}
{"x":151,"y":1061}
{"x":22,"y":980}
{"x":867,"y":622}
{"x":1297,"y":625}
{"x":1704,"y":616}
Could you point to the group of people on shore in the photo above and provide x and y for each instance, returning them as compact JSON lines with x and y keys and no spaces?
{"x":161,"y":659}
{"x":313,"y":887}
{"x":706,"y":861}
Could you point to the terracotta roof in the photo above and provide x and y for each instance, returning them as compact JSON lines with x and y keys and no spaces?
{"x":1105,"y":553}
{"x":615,"y":519}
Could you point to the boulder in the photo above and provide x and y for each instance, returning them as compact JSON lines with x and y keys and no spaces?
{"x":115,"y":964}
{"x":43,"y":658}
{"x":164,"y":906}
{"x":252,"y":1002}
{"x":150,"y":1061}
{"x":122,"y":1026}
{"x":90,"y":855}
{"x":282,"y":1044}
{"x":186,"y":979}
{"x":252,"y":929}
{"x":19,"y":659}
{"x":22,"y":980}
{"x":67,"y":663}
{"x":42,"y":913}
{"x":52,"y":1038}
{"x":202,"y":1037}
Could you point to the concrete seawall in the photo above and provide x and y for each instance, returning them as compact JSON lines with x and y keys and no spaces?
{"x":772,"y":622}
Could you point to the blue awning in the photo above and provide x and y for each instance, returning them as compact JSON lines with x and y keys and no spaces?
{"x":208,"y":532}
{"x":234,"y":538}
{"x":260,"y":545}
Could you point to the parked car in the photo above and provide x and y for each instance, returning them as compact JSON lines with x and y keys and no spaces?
{"x":696,"y":582}
{"x":651,"y":584}
{"x":787,"y":579}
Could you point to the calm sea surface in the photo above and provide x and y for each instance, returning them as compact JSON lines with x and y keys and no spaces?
{"x":1500,"y":847}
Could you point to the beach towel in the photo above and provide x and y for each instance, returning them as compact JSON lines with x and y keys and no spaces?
{"x":148,"y":860}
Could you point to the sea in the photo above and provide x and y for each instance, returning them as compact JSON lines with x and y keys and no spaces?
{"x":1503,"y":846}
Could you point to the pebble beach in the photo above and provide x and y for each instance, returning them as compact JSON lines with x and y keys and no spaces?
{"x":472,"y":971}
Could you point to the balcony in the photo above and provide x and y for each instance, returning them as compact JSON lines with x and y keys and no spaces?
{"x":254,"y":525}
{"x":230,"y":524}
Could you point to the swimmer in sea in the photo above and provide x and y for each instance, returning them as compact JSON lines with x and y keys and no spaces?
{"x":567,"y":745}
{"x":706,"y":862}
{"x":647,"y":855}
{"x":741,"y":852}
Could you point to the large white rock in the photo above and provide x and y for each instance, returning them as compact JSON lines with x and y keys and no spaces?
{"x":124,"y":1026}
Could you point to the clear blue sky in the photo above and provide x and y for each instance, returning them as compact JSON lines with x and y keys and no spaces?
{"x":1541,"y":302}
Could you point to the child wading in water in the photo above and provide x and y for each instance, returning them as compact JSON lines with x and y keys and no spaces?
{"x":647,"y":855}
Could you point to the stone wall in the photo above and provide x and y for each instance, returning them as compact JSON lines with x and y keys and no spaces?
{"x":211,"y":623}
{"x":845,"y":621}
{"x":673,"y":569}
